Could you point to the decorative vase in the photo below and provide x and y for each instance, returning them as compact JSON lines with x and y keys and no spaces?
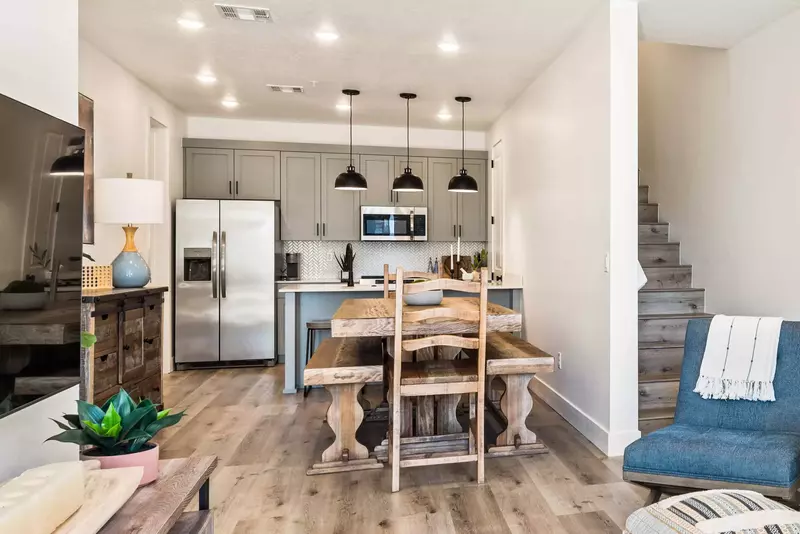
{"x":129,"y":269}
{"x":147,"y":458}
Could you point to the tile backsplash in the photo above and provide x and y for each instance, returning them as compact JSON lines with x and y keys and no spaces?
{"x":317,"y":261}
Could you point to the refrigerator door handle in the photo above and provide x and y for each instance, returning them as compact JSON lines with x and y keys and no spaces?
{"x":214,"y":265}
{"x":222,"y":267}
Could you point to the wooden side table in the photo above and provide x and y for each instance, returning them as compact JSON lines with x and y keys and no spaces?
{"x":159,"y":507}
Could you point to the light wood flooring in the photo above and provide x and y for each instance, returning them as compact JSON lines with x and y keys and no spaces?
{"x":265,"y":441}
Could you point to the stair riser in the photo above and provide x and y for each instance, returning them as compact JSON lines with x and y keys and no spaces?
{"x":678,"y":301}
{"x":656,"y":395}
{"x":660,"y":363}
{"x":662,"y":330}
{"x":668,"y":277}
{"x":648,"y":213}
{"x":646,"y":427}
{"x":659,"y":254}
{"x":643,"y":194}
{"x":653,"y":233}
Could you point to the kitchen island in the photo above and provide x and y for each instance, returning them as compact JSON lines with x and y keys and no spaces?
{"x":304,"y":302}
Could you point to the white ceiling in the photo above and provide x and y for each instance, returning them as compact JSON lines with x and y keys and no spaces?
{"x":386,"y":47}
{"x":714,"y":23}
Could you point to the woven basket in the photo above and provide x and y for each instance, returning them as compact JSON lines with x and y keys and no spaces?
{"x":96,"y":277}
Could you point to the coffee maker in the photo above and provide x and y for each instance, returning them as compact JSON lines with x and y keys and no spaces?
{"x":293,"y":266}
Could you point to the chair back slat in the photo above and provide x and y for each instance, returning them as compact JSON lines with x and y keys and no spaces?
{"x":441,"y":341}
{"x":435,"y":312}
{"x":443,"y":283}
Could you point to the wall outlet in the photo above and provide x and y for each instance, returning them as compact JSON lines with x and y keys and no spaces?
{"x":330,"y":256}
{"x":558,"y":361}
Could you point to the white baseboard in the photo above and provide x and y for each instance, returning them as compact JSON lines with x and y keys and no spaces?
{"x":612,"y":444}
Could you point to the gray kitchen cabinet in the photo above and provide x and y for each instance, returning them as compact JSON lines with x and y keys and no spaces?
{"x":379,"y":172}
{"x":208,"y":173}
{"x":341,"y":211}
{"x":472,"y":207}
{"x":257,"y":175}
{"x":300,"y":196}
{"x":419,"y":166}
{"x":442,"y":204}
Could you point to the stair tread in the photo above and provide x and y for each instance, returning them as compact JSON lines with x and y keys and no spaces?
{"x":660,"y":345}
{"x":672,"y":290}
{"x":651,"y":414}
{"x":698,"y":315}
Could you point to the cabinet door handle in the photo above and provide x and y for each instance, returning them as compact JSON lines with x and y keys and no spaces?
{"x":323,"y":229}
{"x":317,"y":229}
{"x":230,"y":187}
{"x":459,"y":230}
{"x":454,"y":230}
{"x":126,"y":347}
{"x":149,"y":340}
{"x":237,"y":187}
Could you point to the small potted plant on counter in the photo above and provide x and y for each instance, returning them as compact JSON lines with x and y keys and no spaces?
{"x":118,"y":433}
{"x":346,"y":264}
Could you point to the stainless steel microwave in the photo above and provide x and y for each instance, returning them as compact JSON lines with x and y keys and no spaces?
{"x":382,"y":223}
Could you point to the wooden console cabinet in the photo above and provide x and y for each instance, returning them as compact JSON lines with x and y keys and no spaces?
{"x":127,"y":354}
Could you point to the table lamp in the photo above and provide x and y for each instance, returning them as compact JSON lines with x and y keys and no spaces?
{"x":129,"y":202}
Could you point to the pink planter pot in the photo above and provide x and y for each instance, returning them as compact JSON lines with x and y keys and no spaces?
{"x":148,"y":459}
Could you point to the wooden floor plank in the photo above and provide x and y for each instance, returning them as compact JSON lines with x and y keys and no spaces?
{"x":266,"y":440}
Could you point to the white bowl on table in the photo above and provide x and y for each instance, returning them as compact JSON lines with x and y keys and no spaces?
{"x":426,"y":298}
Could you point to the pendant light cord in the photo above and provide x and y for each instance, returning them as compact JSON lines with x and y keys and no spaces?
{"x":351,"y":131}
{"x":408,"y":134}
{"x":462,"y":136}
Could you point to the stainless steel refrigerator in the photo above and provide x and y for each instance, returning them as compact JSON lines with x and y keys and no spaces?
{"x":225,"y":281}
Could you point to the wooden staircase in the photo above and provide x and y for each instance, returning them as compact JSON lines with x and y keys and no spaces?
{"x":666,"y":304}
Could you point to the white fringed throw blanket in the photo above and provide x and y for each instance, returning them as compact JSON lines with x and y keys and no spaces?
{"x":740,"y":358}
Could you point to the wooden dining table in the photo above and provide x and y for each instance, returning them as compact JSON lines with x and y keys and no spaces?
{"x":435,"y":423}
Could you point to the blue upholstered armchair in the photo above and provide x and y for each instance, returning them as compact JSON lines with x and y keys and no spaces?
{"x":725,"y":444}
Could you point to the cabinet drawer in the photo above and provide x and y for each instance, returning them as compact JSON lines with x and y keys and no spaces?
{"x":106,"y":328}
{"x":106,"y":372}
{"x":149,"y":388}
{"x":131,"y":365}
{"x":152,"y":355}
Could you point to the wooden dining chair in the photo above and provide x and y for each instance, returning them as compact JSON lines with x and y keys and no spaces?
{"x":390,"y":277}
{"x":439,"y":377}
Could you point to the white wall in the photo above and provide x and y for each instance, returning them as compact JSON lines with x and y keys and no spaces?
{"x":336,"y":134}
{"x":566,"y":148}
{"x":123,"y":108}
{"x":719,"y":147}
{"x":39,"y":66}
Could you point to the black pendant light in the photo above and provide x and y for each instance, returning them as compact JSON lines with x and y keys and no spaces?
{"x":408,"y":181}
{"x":350,"y":180}
{"x":72,"y":163}
{"x":462,"y":182}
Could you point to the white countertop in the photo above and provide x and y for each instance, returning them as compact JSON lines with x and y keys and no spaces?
{"x":325,"y":286}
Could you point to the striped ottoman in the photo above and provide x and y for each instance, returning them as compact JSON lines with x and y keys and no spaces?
{"x":715,"y":511}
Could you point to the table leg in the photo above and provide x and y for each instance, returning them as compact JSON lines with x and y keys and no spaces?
{"x":344,"y":417}
{"x":204,"y":495}
{"x":516,"y":404}
{"x":290,"y":343}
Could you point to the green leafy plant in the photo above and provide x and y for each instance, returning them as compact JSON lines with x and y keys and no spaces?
{"x":120,"y":426}
{"x":480,"y":259}
{"x":88,"y":340}
{"x":40,"y":257}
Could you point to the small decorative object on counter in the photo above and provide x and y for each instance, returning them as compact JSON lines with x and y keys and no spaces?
{"x":23,"y":295}
{"x":119,"y":433}
{"x":41,"y":263}
{"x":346,"y":264}
{"x":480,"y":259}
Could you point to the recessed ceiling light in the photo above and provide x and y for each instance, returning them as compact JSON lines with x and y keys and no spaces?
{"x":206,"y":78}
{"x":326,"y":36}
{"x":448,"y":46}
{"x":444,"y":115}
{"x":343,"y":106}
{"x":191,"y":24}
{"x":230,"y":102}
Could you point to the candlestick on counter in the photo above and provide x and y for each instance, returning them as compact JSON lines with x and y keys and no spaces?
{"x":451,"y":258}
{"x":458,"y":250}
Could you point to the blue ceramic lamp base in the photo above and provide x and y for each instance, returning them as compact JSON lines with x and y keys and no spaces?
{"x":129,"y":270}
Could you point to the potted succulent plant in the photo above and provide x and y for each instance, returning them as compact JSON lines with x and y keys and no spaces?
{"x":118,"y":433}
{"x":346,"y":265}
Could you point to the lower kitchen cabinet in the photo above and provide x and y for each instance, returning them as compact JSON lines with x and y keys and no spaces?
{"x":127,"y":353}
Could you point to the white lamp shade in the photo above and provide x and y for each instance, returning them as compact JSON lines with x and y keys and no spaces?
{"x":128,"y":201}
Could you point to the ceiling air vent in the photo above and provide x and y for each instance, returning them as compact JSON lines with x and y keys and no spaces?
{"x":248,"y":14}
{"x":285,"y":88}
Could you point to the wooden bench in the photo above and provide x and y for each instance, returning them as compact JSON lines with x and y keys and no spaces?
{"x":515,"y":362}
{"x":344,"y":366}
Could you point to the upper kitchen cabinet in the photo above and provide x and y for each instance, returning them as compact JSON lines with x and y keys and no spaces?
{"x":442,"y":204}
{"x":472,"y":207}
{"x":341,"y":211}
{"x":379,"y":172}
{"x":419,"y":166}
{"x":257,"y":175}
{"x":209,"y":173}
{"x":300,"y":196}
